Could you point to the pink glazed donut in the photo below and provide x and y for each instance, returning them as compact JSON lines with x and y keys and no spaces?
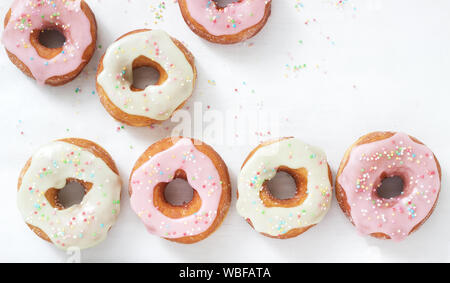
{"x":24,"y":23}
{"x":204,"y":170}
{"x":236,"y":22}
{"x":372,"y":159}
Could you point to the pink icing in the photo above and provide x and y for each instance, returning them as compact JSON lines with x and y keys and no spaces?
{"x":29,"y":15}
{"x":232,"y":19}
{"x":202,"y":176}
{"x":395,"y":156}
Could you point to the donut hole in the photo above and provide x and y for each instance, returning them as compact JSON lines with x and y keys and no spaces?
{"x":51,"y":38}
{"x":146,"y":72}
{"x":72,"y":194}
{"x":145,"y":76}
{"x":48,"y":42}
{"x":282,"y":186}
{"x":176,"y":199}
{"x":288,"y":188}
{"x":390,"y":187}
{"x":224,"y":3}
{"x":178,"y":192}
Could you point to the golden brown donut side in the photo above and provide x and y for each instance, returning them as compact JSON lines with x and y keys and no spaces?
{"x":341,"y":196}
{"x":223,"y":39}
{"x":187,"y":209}
{"x":135,"y":120}
{"x":273,"y":202}
{"x":51,"y":194}
{"x":50,"y":52}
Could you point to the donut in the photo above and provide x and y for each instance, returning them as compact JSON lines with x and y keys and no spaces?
{"x":156,"y":103}
{"x":236,"y":22}
{"x":54,"y":165}
{"x":375,"y":157}
{"x":204,"y":170}
{"x":24,"y":23}
{"x":284,"y":218}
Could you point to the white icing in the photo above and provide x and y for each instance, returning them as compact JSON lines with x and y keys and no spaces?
{"x":263,"y":166}
{"x":83,"y":225}
{"x":157,"y":102}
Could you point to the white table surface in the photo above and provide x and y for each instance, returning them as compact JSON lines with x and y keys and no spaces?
{"x":367,"y":65}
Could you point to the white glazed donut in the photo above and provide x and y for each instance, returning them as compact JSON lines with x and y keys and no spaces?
{"x":290,"y":217}
{"x":72,"y":160}
{"x":156,"y":103}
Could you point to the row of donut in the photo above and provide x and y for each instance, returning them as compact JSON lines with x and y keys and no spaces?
{"x":371,"y":159}
{"x":27,"y":19}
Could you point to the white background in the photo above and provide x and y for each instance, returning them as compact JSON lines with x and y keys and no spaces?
{"x":370,"y":65}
